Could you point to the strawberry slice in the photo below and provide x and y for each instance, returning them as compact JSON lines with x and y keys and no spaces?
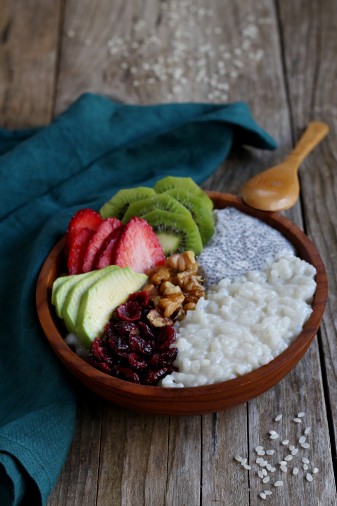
{"x":106,"y":255}
{"x":97,"y":242}
{"x":138,"y":247}
{"x":77,"y":250}
{"x":84,"y":218}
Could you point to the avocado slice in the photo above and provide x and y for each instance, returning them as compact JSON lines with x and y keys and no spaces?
{"x":72,"y":302}
{"x":60,"y":291}
{"x":101,"y":299}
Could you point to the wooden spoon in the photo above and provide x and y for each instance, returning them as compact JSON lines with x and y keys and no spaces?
{"x":278,"y":188}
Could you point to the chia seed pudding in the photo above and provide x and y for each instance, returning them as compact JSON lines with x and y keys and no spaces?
{"x":258,"y":298}
{"x":241,"y":243}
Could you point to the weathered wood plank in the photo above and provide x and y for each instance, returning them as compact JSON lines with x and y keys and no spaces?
{"x":78,"y":481}
{"x":310,"y":71}
{"x":28,"y":59}
{"x":195,"y":453}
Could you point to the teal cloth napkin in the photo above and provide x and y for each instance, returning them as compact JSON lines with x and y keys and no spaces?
{"x":81,"y":159}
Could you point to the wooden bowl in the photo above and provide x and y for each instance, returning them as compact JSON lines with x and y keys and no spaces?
{"x":192,"y":400}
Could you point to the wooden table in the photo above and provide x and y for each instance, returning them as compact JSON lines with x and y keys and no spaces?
{"x":280,"y":57}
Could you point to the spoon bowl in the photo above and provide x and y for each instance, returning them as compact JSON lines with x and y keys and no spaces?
{"x":278,"y":188}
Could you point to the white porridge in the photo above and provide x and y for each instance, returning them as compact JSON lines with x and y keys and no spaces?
{"x":244,"y":323}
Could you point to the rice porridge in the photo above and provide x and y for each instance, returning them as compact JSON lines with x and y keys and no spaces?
{"x":246,"y":320}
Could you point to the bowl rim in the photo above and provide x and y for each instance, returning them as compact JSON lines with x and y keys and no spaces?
{"x":304,"y":248}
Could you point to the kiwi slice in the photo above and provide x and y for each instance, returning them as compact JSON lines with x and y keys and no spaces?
{"x":202,"y":216}
{"x":176,"y":232}
{"x":182,"y":183}
{"x":162,"y":201}
{"x":117,"y":206}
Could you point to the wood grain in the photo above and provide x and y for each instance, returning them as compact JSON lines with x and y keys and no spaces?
{"x":310,"y":73}
{"x":292,"y":83}
{"x":29,"y":34}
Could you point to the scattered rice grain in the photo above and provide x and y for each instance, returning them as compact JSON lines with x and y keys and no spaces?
{"x":301,"y":414}
{"x":238,"y":458}
{"x":307,"y":430}
{"x":315,"y":470}
{"x":284,"y":469}
{"x":297,"y":420}
{"x":305,"y":460}
{"x":305,"y":445}
{"x":285,"y":442}
{"x":266,"y":479}
{"x":288,"y":458}
{"x":278,"y":418}
{"x":302,"y":439}
{"x":258,"y":448}
{"x":295,"y":470}
{"x":278,"y":483}
{"x":262,"y":495}
{"x":309,"y":477}
{"x":294,"y":451}
{"x":270,"y":452}
{"x":305,"y":467}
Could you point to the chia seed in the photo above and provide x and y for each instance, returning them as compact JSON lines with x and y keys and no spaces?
{"x":241,"y":243}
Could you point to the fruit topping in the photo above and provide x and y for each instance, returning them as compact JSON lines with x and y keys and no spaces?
{"x":119,"y":203}
{"x":97,"y":242}
{"x":134,"y":350}
{"x":81,"y":228}
{"x":176,"y":232}
{"x":130,"y":311}
{"x":84,"y":218}
{"x":177,"y":209}
{"x":105,"y":256}
{"x":86,"y":301}
{"x":138,"y":247}
{"x":77,"y":248}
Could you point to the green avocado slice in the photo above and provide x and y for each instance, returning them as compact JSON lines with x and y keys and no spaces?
{"x":101,"y":299}
{"x":72,"y":302}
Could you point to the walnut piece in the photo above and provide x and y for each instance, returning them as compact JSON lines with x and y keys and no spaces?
{"x":157,"y":319}
{"x":175,"y":288}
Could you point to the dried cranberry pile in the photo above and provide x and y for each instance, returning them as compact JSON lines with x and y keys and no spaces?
{"x":133,"y":349}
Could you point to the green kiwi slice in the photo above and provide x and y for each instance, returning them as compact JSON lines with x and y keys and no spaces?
{"x":117,"y":206}
{"x":176,"y":232}
{"x":161,"y":201}
{"x":199,"y":210}
{"x":182,"y":183}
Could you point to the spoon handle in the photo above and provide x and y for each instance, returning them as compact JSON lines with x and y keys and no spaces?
{"x":314,"y":133}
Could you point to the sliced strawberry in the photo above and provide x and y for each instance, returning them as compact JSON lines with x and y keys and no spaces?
{"x":77,"y":250}
{"x":105,"y":256}
{"x":97,"y":241}
{"x":138,"y":247}
{"x":84,"y":218}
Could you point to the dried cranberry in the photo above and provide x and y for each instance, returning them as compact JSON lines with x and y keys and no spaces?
{"x":136,"y":362}
{"x":142,"y":298}
{"x":130,"y":311}
{"x":145,"y":331}
{"x":120,"y":346}
{"x":123,"y":328}
{"x":103,"y":366}
{"x":98,"y":350}
{"x":152,"y":377}
{"x":162,"y":359}
{"x":166,"y":336}
{"x":125,"y":373}
{"x":139,"y":345}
